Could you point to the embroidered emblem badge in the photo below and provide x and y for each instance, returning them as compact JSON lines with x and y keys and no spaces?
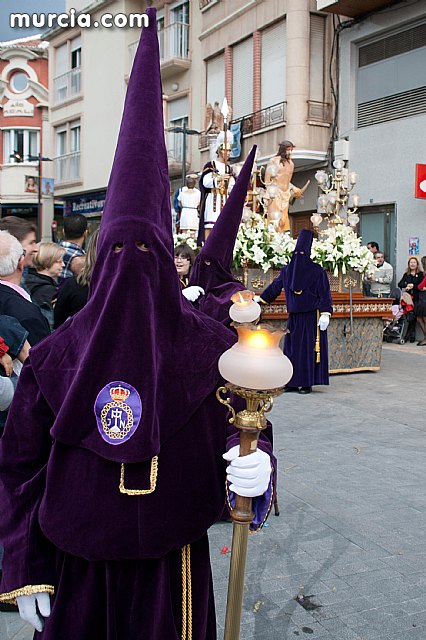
{"x":118,"y":410}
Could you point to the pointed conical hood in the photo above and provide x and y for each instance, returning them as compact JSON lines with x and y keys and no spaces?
{"x":139,"y":173}
{"x":220,"y":243}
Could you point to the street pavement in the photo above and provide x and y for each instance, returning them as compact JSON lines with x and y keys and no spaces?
{"x":346,"y":558}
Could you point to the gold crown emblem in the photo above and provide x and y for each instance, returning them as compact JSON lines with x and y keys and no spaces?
{"x":118,"y":394}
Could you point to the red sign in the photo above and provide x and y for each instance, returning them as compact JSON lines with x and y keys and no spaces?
{"x":420,"y":181}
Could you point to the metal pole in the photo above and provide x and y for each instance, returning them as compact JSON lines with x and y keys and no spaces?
{"x":184,"y":132}
{"x":39,"y":198}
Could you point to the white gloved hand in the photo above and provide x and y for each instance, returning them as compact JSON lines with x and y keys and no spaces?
{"x":248,"y":476}
{"x":34,"y":608}
{"x":324,"y":321}
{"x":193,"y":293}
{"x":256,"y":298}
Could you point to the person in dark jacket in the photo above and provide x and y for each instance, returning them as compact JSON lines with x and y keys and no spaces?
{"x":41,"y":280}
{"x":410,"y":281}
{"x":73,"y":293}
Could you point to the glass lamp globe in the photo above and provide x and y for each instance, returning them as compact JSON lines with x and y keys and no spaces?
{"x":256,"y":361}
{"x":338,"y":164}
{"x":272,"y":169}
{"x":272,"y":190}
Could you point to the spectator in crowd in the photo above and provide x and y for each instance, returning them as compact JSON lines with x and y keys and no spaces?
{"x":25,"y":232}
{"x":380,"y":279}
{"x":420,"y":308}
{"x":14,"y":300}
{"x":41,"y":282}
{"x":184,"y":259}
{"x":72,"y":294}
{"x":374,"y":247}
{"x":410,"y":281}
{"x":75,"y":233}
{"x":14,"y":348}
{"x":189,"y":199}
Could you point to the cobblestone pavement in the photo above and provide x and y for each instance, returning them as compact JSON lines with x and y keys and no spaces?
{"x":352,"y":529}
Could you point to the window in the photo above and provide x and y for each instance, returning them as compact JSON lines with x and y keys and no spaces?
{"x":316,"y":58}
{"x":67,"y":81}
{"x":25,"y":142}
{"x":273,"y":65}
{"x":242,"y":89}
{"x":215,"y":71}
{"x":179,"y":32}
{"x":391,"y":81}
{"x":177,"y":116}
{"x":180,"y":13}
{"x":68,"y":151}
{"x":19,"y":82}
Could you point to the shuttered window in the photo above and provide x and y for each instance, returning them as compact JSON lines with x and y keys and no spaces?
{"x":393,"y":45}
{"x":215,"y":69}
{"x":242,"y":78}
{"x":273,"y":65}
{"x":316,"y":58}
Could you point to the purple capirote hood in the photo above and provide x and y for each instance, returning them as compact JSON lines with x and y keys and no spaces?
{"x":137,"y":335}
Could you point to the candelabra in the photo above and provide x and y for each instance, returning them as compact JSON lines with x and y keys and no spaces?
{"x":336,"y":203}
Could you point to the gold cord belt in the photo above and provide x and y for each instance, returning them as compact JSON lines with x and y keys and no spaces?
{"x":152,"y":480}
{"x":186,"y":594}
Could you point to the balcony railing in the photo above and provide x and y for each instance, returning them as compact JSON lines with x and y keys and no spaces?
{"x":67,"y":85}
{"x":174,"y":41}
{"x":262,"y":119}
{"x":67,"y":167}
{"x":319,"y":111}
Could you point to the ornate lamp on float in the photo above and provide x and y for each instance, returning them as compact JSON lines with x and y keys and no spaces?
{"x":257,"y":370}
{"x":336,"y":202}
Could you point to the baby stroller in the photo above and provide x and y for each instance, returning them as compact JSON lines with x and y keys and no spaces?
{"x":395,"y":329}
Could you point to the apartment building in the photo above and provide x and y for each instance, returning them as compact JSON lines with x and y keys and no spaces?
{"x":88,"y":73}
{"x":382,"y":119}
{"x":272,"y":61}
{"x":24,"y":131}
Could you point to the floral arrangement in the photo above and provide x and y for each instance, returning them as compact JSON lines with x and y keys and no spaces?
{"x":185,"y":238}
{"x":343,"y":251}
{"x":259,"y":244}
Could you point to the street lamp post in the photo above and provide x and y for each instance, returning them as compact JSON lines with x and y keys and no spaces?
{"x":39,"y":159}
{"x":186,"y":132}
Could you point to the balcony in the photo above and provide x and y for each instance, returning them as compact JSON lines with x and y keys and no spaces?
{"x":67,"y":86}
{"x":174,"y":49}
{"x":319,"y":112}
{"x":353,"y":9}
{"x":206,"y":4}
{"x":67,"y":167}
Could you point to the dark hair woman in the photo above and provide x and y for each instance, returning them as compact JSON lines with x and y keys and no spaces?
{"x":184,"y":259}
{"x":410,"y":282}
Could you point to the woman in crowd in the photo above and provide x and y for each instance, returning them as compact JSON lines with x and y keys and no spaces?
{"x":420,"y":308}
{"x":410,"y":281}
{"x":184,"y":259}
{"x":40,"y":281}
{"x":72,"y":295}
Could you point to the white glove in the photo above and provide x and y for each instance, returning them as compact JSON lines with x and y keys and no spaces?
{"x":323,"y":321}
{"x":193,"y":293}
{"x":34,"y":608}
{"x":256,"y":298}
{"x":248,"y":476}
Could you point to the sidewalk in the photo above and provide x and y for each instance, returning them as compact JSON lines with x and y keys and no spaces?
{"x":352,"y":529}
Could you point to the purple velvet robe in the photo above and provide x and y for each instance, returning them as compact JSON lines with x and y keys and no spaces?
{"x":307,"y":292}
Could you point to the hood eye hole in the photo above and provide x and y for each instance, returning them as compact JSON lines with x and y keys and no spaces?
{"x":142,"y":246}
{"x":119,"y":246}
{"x":207,"y":262}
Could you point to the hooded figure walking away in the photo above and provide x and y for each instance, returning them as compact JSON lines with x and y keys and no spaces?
{"x":111,"y":460}
{"x":309,"y":305}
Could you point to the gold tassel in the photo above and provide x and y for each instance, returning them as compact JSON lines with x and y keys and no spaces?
{"x":317,"y":341}
{"x":186,"y":594}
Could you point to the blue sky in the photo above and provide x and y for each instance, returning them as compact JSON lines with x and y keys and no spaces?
{"x":24,"y":6}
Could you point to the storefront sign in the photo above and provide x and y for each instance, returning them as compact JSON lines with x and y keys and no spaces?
{"x":18,"y":108}
{"x":87,"y":204}
{"x":420,"y":181}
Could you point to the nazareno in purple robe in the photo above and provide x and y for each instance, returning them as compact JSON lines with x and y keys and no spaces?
{"x":111,"y":460}
{"x":307,"y":292}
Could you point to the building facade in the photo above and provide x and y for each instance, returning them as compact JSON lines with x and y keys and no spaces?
{"x":272,"y":61}
{"x":382,"y":107}
{"x":24,"y":130}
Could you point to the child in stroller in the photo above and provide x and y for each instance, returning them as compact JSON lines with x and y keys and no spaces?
{"x":396,"y":329}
